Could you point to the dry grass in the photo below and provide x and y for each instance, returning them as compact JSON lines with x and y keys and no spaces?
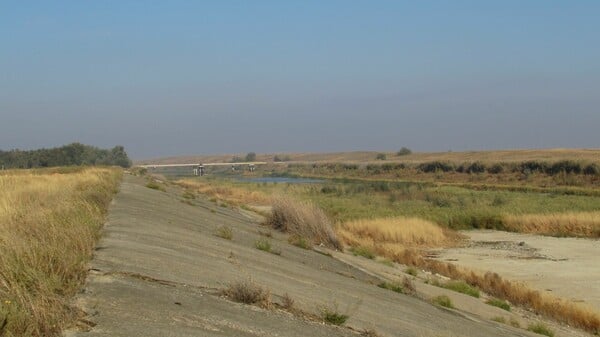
{"x":561,"y":310}
{"x":405,"y":232}
{"x":582,"y":224}
{"x":248,"y":292}
{"x":302,"y":219}
{"x":49,"y":223}
{"x":395,"y":238}
{"x":366,"y":156}
{"x":219,"y":191}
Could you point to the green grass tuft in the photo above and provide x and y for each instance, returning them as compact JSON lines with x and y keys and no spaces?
{"x":541,"y":329}
{"x":393,"y":286}
{"x":462,"y":287}
{"x":498,"y":303}
{"x":443,"y":301}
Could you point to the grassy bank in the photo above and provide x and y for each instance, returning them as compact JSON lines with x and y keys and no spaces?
{"x":453,"y":207}
{"x":49,"y":223}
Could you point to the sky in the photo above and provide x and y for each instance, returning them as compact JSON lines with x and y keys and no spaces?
{"x":166,"y":78}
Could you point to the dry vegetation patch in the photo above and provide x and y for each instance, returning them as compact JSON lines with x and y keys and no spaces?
{"x":248,"y":292}
{"x":231,"y":194}
{"x":582,"y":224}
{"x":405,"y":232}
{"x":49,"y":223}
{"x":302,"y":219}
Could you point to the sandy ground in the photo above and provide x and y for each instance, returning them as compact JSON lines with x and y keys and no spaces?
{"x":567,"y":267}
{"x":159,"y":269}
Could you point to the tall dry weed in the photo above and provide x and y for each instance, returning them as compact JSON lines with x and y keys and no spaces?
{"x":49,"y":223}
{"x":579,"y":224}
{"x":302,"y":219}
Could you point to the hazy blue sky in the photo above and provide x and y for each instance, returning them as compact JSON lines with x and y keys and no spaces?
{"x":197,"y":77}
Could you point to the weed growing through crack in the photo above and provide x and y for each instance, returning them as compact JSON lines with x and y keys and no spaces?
{"x":331,"y":315}
{"x":393,"y":286}
{"x":248,"y":292}
{"x":265,"y":245}
{"x":224,"y":232}
{"x":443,"y":301}
{"x":498,"y":303}
{"x":541,"y":329}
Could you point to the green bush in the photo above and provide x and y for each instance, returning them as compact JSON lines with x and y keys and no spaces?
{"x":435,"y":166}
{"x":404,"y":151}
{"x":381,"y":156}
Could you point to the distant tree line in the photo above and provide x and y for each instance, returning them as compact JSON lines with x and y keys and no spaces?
{"x":75,"y":154}
{"x":250,"y":156}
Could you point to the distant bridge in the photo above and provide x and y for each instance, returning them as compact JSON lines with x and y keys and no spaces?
{"x":200,"y":168}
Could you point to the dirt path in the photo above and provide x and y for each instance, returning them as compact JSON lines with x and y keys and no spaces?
{"x":567,"y":267}
{"x":159,"y":267}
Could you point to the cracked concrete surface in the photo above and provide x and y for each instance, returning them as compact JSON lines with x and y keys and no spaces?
{"x":159,"y":267}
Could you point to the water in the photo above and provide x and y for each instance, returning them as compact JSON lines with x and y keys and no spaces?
{"x":285,"y":180}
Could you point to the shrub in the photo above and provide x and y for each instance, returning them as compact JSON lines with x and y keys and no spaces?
{"x":541,"y":329}
{"x":155,"y":186}
{"x":498,"y":303}
{"x":462,"y":287}
{"x":476,"y":167}
{"x":443,"y":301}
{"x":435,"y":166}
{"x":404,"y":151}
{"x":224,"y":232}
{"x":287,"y":302}
{"x":333,"y":316}
{"x":592,"y":169}
{"x":496,"y":168}
{"x":251,"y":156}
{"x":566,"y":166}
{"x":263,"y":244}
{"x":248,"y":292}
{"x":303,"y":219}
{"x":393,"y":286}
{"x":381,"y":156}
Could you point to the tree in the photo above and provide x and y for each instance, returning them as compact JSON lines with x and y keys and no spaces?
{"x":381,"y":156}
{"x":251,"y":156}
{"x":404,"y":151}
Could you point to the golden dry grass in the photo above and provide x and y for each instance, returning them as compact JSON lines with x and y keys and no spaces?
{"x":583,"y":224}
{"x":562,"y":310}
{"x":402,"y":231}
{"x":231,"y":194}
{"x":49,"y":223}
{"x":302,"y":219}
